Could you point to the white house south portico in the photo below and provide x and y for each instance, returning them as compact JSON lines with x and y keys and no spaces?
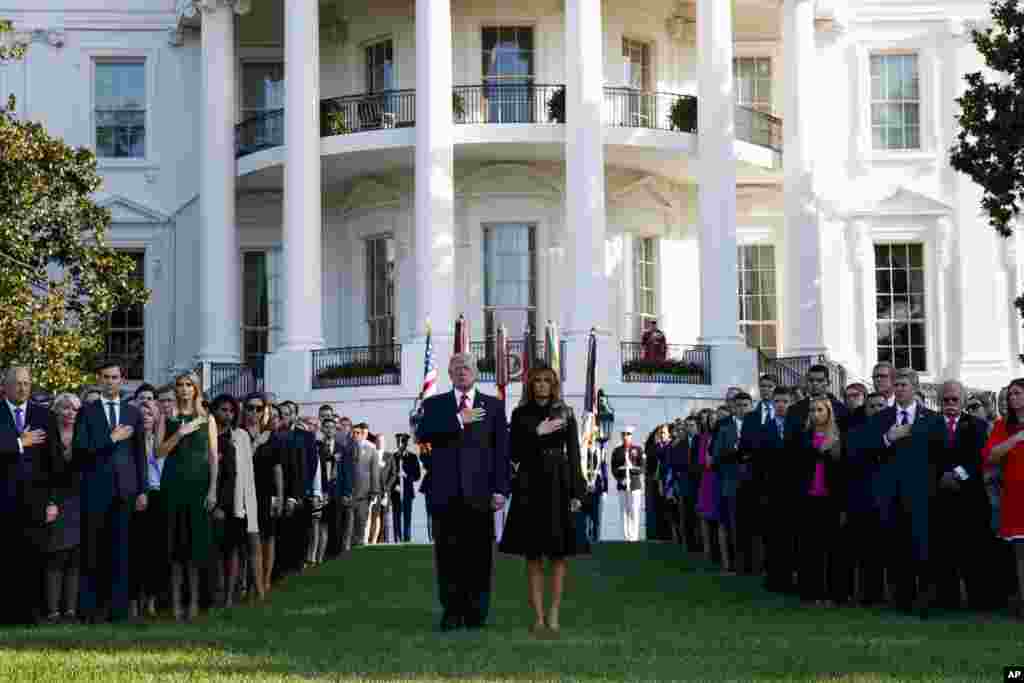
{"x":759,"y":176}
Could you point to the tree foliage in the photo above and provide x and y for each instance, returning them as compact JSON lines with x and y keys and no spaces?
{"x":59,"y":279}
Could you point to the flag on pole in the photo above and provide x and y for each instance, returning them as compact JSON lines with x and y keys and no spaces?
{"x":501,"y":362}
{"x":552,"y":352}
{"x":429,"y":369}
{"x":590,"y":390}
{"x":529,"y":348}
{"x":461,"y":335}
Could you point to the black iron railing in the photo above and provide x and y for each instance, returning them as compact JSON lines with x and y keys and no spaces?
{"x":791,"y":371}
{"x":508,"y":103}
{"x":486,"y":366}
{"x":629,"y":108}
{"x":237,"y":379}
{"x":357,"y":366}
{"x":758,"y":128}
{"x":680,"y":364}
{"x":259,"y":132}
{"x":369,"y":111}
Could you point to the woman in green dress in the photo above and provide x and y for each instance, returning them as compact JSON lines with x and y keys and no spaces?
{"x":188,"y":485}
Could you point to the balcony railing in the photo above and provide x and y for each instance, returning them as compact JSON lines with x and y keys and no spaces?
{"x":682,"y":364}
{"x":758,"y":128}
{"x":630,"y":108}
{"x":372,"y":111}
{"x":508,"y":103}
{"x":357,"y":366}
{"x":791,"y":371}
{"x":505,"y":103}
{"x":237,"y":379}
{"x":486,"y":366}
{"x":263,"y":131}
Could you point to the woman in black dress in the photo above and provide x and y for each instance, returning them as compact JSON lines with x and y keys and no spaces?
{"x":261,"y":421}
{"x":549,"y":489}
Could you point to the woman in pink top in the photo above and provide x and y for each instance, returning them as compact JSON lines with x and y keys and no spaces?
{"x":820,"y":520}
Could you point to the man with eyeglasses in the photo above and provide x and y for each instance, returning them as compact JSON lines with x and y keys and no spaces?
{"x":960,"y":507}
{"x":882,"y":377}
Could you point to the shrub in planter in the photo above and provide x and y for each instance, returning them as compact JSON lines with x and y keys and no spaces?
{"x":676,"y":368}
{"x":683,"y":115}
{"x":357,"y":370}
{"x":458,"y":106}
{"x":337,"y":123}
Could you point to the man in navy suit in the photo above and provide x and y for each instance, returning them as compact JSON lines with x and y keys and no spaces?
{"x":109,"y":449}
{"x":23,"y":427}
{"x":777,"y":480}
{"x":411,"y":473}
{"x":909,"y":438}
{"x":468,"y":435}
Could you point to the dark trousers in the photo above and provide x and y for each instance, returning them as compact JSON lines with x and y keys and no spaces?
{"x":407,"y":501}
{"x":652,"y":511}
{"x":345,"y":522}
{"x":863,"y":561}
{"x":782,"y":516}
{"x":23,"y":598}
{"x":396,"y":516}
{"x":358,"y":518}
{"x":149,"y":559}
{"x":464,"y":560}
{"x":748,"y":525}
{"x":906,"y":558}
{"x":592,"y":512}
{"x":107,"y":584}
{"x":961,"y":545}
{"x":819,"y":575}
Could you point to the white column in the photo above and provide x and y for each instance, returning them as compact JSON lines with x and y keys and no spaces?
{"x":943,"y":261}
{"x":220,"y":321}
{"x":434,"y":238}
{"x":803,"y":332}
{"x":863,"y":264}
{"x":585,"y":210}
{"x":716,"y":193}
{"x":303,"y":216}
{"x":1011,"y":263}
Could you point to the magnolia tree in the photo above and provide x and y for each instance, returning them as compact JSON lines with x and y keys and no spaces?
{"x":990,"y":145}
{"x":59,"y":279}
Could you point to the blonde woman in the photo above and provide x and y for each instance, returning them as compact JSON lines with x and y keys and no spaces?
{"x":820,"y":455}
{"x":188,"y":485}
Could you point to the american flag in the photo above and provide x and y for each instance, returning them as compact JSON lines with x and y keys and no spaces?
{"x":429,"y":369}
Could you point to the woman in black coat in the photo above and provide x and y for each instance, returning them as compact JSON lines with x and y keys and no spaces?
{"x":544,"y":439}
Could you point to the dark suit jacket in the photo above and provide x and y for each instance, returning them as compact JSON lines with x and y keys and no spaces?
{"x":726,"y":456}
{"x":910,"y":466}
{"x":109,"y":470}
{"x":17,"y":492}
{"x":970,"y":499}
{"x":342,"y":467}
{"x":636,"y":466}
{"x":412,"y":471}
{"x":774,"y":469}
{"x":292,"y":454}
{"x":468,"y":463}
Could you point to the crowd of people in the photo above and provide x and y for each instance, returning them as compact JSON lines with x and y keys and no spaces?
{"x":869,"y":499}
{"x":123,"y":505}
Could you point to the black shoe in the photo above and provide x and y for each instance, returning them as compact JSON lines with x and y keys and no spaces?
{"x":450,"y":622}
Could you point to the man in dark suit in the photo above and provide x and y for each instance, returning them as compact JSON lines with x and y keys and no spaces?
{"x":294,"y":444}
{"x":411,"y":473}
{"x":960,"y":514}
{"x":468,"y":435}
{"x":725,"y":454}
{"x":777,"y":480}
{"x":109,"y":448}
{"x":23,"y":428}
{"x":817,"y":387}
{"x":910,"y":439}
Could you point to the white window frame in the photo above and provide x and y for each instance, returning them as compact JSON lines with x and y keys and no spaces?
{"x":757,"y":241}
{"x":770,"y":107}
{"x":902,"y":102}
{"x":364,"y":46}
{"x":640,"y":316}
{"x":368,"y":279}
{"x":534,"y":309}
{"x":243,"y":113}
{"x":135,"y":249}
{"x":269,"y":328}
{"x":148,"y":57}
{"x":928,"y":293}
{"x":931,"y":147}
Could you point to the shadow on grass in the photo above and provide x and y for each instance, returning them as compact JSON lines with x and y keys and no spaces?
{"x":632,"y":612}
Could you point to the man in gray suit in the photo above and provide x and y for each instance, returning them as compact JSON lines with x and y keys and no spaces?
{"x":365,"y":484}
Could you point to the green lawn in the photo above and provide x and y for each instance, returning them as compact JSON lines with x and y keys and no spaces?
{"x":633,"y":612}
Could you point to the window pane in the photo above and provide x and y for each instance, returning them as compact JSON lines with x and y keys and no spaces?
{"x":262,"y":87}
{"x":883,"y":281}
{"x":883,"y":307}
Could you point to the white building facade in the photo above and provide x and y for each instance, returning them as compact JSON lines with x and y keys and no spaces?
{"x":306,"y":183}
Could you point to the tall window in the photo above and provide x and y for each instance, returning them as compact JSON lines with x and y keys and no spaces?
{"x":380,"y":290}
{"x":120,"y":115}
{"x":899,"y":306}
{"x":646,"y":278}
{"x":636,"y":57}
{"x":753,"y":82}
{"x":759,"y":317}
{"x":126,"y":335}
{"x":255,"y":307}
{"x":507,"y":62}
{"x":895,"y":102}
{"x":380,"y":67}
{"x":510,"y":278}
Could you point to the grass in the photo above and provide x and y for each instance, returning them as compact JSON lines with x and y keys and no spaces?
{"x":635,"y":612}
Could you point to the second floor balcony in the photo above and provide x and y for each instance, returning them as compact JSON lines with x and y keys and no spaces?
{"x":506,"y":103}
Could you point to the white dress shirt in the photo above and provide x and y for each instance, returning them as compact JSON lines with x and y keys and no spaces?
{"x":107,"y":402}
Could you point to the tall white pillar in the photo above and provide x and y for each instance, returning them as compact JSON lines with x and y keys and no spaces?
{"x":862,"y":257}
{"x":303,"y":217}
{"x":585,"y":210}
{"x":434,"y":228}
{"x":220,"y":320}
{"x":803,"y":332}
{"x":716,"y":192}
